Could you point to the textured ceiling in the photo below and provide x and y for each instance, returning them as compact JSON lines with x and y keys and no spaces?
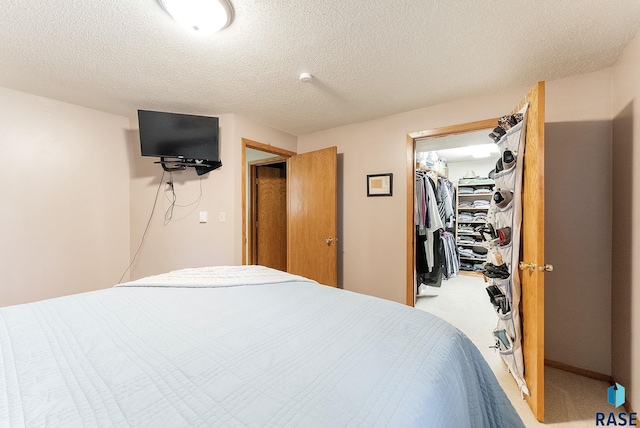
{"x":369,"y":58}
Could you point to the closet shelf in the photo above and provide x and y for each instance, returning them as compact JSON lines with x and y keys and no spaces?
{"x":473,"y":258}
{"x":488,"y":183}
{"x":484,"y":194}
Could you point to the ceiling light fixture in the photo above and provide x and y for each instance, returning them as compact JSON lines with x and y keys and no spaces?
{"x":202,"y":16}
{"x":479,"y":154}
{"x":306,"y":77}
{"x":482,"y":150}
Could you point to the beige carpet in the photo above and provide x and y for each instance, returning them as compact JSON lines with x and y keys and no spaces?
{"x":570,"y":400}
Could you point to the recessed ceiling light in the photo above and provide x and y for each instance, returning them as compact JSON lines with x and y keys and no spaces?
{"x":202,"y":16}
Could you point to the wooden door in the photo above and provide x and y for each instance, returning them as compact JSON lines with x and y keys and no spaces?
{"x":312,"y":215}
{"x":271,"y":216}
{"x":532,"y":251}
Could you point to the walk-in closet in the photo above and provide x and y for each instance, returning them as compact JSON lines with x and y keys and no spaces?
{"x":468,"y":215}
{"x":454,"y":187}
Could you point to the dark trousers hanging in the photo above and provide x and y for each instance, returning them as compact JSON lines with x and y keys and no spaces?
{"x":433,"y":278}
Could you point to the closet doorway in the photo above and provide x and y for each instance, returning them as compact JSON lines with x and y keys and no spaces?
{"x":459,"y":166}
{"x":263,"y":175}
{"x":438,"y":138}
{"x":311,"y":210}
{"x":532,"y":265}
{"x":268,"y":225}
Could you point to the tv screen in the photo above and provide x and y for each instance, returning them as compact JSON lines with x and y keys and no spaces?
{"x":183,"y":136}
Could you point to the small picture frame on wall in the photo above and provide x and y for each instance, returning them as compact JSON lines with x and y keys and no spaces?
{"x":380,"y":184}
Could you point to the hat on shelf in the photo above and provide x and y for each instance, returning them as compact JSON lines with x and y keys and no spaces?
{"x":471,"y":174}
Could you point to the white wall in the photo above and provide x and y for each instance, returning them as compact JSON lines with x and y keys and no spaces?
{"x":374,"y":239}
{"x":184,"y":241}
{"x":578,"y":221}
{"x":481,"y":167}
{"x":64,"y":222}
{"x":625,"y":304}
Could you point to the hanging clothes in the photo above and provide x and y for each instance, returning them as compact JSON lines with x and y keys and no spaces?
{"x":446,"y":195}
{"x":451,"y":260}
{"x":429,"y":224}
{"x":435,"y":222}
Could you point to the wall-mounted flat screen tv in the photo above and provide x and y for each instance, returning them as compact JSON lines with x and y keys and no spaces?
{"x":185,"y":139}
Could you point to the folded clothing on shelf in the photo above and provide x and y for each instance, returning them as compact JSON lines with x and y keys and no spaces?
{"x":465,"y":228}
{"x":466,"y":239}
{"x":482,"y":190}
{"x":480,"y":203}
{"x":466,"y":266}
{"x":465,"y":190}
{"x":480,"y":217}
{"x":472,"y":253}
{"x":465,"y":217}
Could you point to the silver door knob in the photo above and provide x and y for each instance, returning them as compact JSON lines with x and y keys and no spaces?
{"x":330,"y":240}
{"x":546,"y":268}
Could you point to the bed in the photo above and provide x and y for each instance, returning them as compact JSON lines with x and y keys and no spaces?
{"x":239,"y":346}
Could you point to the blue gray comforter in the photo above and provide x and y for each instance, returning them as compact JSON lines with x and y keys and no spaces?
{"x":239,"y":347}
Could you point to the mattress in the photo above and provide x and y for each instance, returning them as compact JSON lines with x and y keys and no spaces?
{"x":242,"y":346}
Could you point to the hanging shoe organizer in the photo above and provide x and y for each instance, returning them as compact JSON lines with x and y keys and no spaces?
{"x":503,"y":241}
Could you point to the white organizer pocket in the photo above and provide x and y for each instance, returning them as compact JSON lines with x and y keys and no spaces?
{"x":506,"y":179}
{"x":503,"y":217}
